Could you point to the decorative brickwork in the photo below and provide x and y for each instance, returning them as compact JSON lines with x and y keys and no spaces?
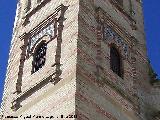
{"x":77,"y":78}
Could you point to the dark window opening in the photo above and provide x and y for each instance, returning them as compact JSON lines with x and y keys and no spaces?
{"x":39,"y":57}
{"x":38,"y":1}
{"x":115,"y":61}
{"x":119,"y":2}
{"x":28,"y":5}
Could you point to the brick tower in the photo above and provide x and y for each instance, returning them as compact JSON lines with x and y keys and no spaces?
{"x":78,"y":59}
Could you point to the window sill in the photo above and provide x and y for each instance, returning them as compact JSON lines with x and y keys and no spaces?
{"x":118,"y":87}
{"x":24,"y":95}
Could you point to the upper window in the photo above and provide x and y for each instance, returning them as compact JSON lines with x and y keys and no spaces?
{"x":119,"y":2}
{"x":38,"y":1}
{"x":39,"y":57}
{"x":115,"y":61}
{"x":28,"y":6}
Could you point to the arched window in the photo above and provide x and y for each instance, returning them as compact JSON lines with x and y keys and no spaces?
{"x":115,"y":61}
{"x":39,"y":57}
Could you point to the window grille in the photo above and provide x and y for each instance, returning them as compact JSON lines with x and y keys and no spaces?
{"x":39,"y":57}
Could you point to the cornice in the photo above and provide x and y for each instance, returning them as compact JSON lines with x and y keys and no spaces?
{"x":45,"y":22}
{"x":104,"y":17}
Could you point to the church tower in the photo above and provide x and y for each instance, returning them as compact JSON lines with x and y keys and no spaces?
{"x":77,"y":59}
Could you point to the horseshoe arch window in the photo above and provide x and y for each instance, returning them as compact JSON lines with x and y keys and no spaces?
{"x":39,"y":57}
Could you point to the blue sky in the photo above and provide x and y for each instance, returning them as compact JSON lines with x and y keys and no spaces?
{"x":152,"y":28}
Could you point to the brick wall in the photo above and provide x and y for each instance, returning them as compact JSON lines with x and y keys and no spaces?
{"x":52,"y":99}
{"x":77,"y":78}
